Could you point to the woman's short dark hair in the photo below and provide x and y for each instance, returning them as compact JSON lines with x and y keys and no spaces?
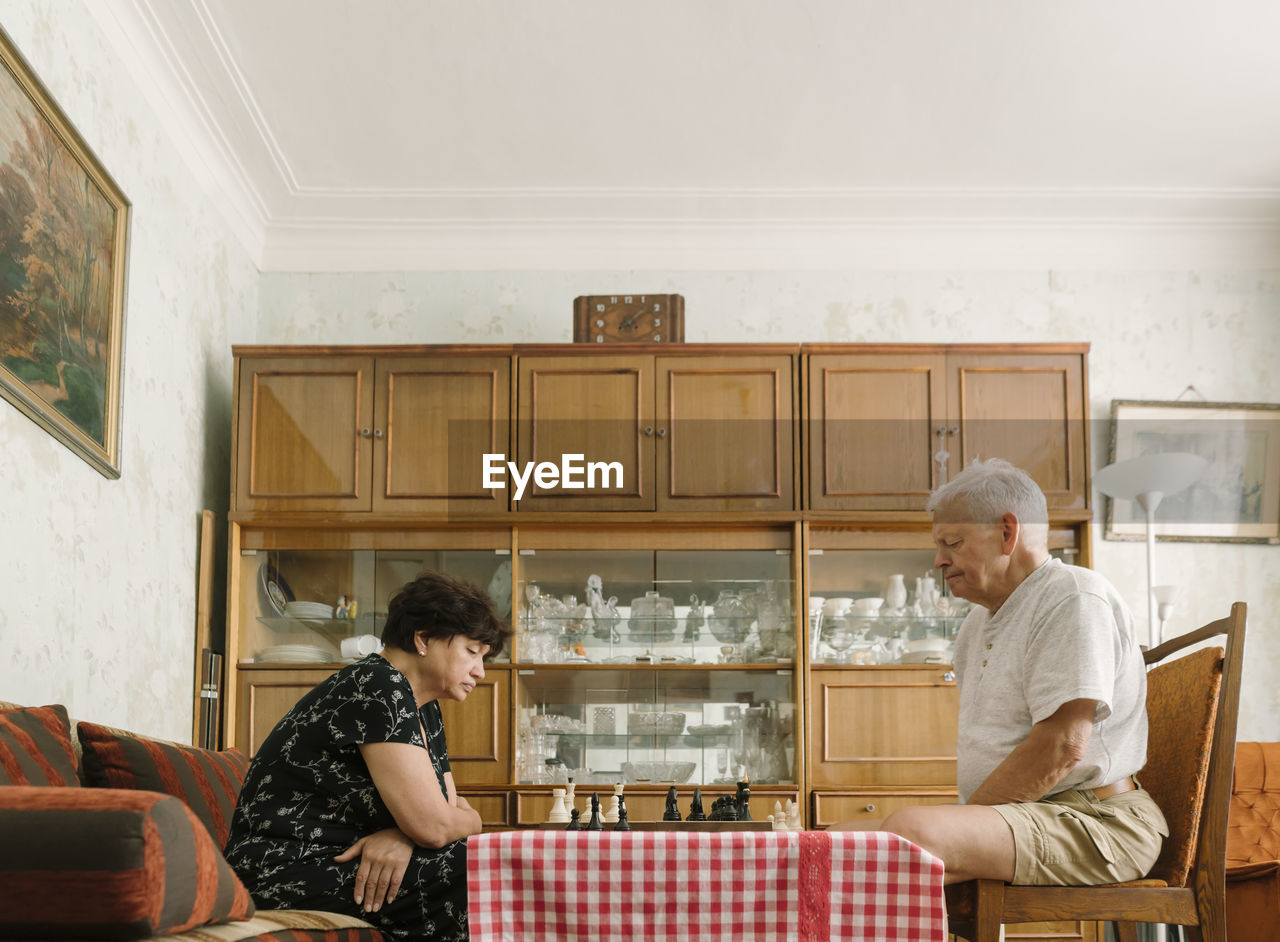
{"x":441,"y":606}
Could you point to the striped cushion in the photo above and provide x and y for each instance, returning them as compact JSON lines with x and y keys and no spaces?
{"x":35,"y":747}
{"x":88,"y":863}
{"x":209,"y":782}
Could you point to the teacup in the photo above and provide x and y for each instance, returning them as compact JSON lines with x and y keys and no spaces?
{"x":837,"y":606}
{"x":868,"y":607}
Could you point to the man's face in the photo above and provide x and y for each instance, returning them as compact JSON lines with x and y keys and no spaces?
{"x":972,"y":559}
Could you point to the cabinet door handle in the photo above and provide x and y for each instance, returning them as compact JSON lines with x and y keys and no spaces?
{"x":364,"y":433}
{"x":377,"y":433}
{"x":662,"y":433}
{"x":940,"y":431}
{"x":869,"y":808}
{"x":949,"y":677}
{"x":954,"y":430}
{"x":648,"y":430}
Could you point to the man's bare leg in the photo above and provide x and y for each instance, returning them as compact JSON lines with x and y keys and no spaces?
{"x":973,"y":841}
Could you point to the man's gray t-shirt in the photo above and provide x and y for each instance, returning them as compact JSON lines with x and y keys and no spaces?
{"x":1063,"y":634}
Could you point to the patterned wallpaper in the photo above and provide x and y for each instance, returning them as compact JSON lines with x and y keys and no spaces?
{"x":98,"y":577}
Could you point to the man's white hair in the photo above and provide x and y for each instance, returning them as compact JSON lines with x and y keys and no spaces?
{"x":987,"y":490}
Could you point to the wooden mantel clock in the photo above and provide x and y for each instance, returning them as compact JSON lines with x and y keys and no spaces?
{"x":628,"y":318}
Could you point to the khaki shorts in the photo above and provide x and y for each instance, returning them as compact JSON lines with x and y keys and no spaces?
{"x":1076,"y":839}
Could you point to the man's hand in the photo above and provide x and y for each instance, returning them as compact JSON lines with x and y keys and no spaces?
{"x":384,"y":857}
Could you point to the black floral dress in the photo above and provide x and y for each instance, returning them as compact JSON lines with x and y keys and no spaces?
{"x":308,"y":796}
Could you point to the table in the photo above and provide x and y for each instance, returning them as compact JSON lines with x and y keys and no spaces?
{"x":730,"y":885}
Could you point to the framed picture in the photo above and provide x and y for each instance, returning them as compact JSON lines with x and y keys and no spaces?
{"x":1236,"y":500}
{"x":63,"y":232}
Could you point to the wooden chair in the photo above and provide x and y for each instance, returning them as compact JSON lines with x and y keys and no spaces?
{"x":1192,"y":703}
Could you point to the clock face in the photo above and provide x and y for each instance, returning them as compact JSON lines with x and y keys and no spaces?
{"x":629,"y":318}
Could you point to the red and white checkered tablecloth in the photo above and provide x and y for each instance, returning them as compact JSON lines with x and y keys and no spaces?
{"x":731,"y":885}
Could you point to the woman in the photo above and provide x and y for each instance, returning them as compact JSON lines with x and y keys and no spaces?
{"x":349,"y":805}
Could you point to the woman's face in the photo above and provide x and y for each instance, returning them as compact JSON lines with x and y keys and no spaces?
{"x":454,"y":665}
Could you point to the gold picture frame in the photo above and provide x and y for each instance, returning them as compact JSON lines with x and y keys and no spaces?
{"x":1236,"y":499}
{"x":64,"y":231}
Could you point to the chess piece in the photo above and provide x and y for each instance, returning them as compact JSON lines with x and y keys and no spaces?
{"x":778,"y":820}
{"x":559,"y":813}
{"x":574,"y":823}
{"x":695,"y":808}
{"x":623,"y":824}
{"x":724,"y":808}
{"x":793,"y":817}
{"x":594,"y":824}
{"x":611,"y":816}
{"x":672,"y":812}
{"x":568,"y":795}
{"x":743,"y":800}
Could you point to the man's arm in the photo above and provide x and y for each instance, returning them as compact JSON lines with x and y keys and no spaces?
{"x":1051,"y":750}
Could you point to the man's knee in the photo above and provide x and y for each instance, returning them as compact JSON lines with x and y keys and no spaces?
{"x":911,"y":823}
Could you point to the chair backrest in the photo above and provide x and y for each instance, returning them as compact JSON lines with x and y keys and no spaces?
{"x":1253,"y":833}
{"x":1192,"y":705}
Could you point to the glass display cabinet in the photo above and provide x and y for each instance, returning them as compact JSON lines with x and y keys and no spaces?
{"x":656,"y":667}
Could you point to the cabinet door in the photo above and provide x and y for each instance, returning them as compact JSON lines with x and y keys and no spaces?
{"x":478,"y":731}
{"x":303,"y":434}
{"x":871,"y":430}
{"x":598,"y":408}
{"x":434,"y":420}
{"x":1028,"y":409}
{"x":263,"y":697}
{"x":725,"y":433}
{"x":883,"y":726}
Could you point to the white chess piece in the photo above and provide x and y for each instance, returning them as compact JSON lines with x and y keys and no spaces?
{"x":559,"y":813}
{"x":793,"y":816}
{"x":778,"y":820}
{"x":615,"y":805}
{"x":568,"y":801}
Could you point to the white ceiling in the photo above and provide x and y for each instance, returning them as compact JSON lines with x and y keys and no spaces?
{"x":715,"y":133}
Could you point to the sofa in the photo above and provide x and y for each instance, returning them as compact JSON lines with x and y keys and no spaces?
{"x":105,"y":834}
{"x":1253,"y":845}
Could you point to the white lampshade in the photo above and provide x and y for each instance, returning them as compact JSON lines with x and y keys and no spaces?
{"x":1165,"y":473}
{"x":1146,"y":480}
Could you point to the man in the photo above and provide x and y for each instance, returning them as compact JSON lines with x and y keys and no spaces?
{"x":1052,"y":722}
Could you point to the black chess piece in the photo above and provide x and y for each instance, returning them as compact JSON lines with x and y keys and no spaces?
{"x":594,"y":824}
{"x":574,"y":823}
{"x":724,"y":808}
{"x":623,"y":824}
{"x":695,"y":809}
{"x":672,"y":813}
{"x":744,"y":801}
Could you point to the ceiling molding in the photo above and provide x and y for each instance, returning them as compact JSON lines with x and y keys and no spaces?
{"x":184,"y":67}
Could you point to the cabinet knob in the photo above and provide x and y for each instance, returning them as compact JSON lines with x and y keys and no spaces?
{"x":364,"y":433}
{"x":662,"y":433}
{"x":954,"y":430}
{"x":377,"y":433}
{"x":869,"y":808}
{"x":949,"y":677}
{"x":648,"y":430}
{"x":940,"y":431}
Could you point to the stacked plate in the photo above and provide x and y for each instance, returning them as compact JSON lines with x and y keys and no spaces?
{"x":295,"y":654}
{"x":308,"y":610}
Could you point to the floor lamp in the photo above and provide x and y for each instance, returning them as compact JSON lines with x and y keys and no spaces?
{"x":1148,"y":479}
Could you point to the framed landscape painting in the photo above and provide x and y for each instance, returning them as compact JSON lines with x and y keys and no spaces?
{"x":63,"y":231}
{"x":1236,"y":499}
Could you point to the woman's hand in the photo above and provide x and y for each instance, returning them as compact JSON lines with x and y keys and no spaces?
{"x":384,"y":857}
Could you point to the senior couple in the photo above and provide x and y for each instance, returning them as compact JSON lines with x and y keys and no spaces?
{"x":349,"y":805}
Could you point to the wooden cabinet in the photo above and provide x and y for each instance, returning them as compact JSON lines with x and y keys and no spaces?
{"x":356,"y":467}
{"x":886,"y":425}
{"x":709,"y":432}
{"x":883,"y":726}
{"x":389,"y":434}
